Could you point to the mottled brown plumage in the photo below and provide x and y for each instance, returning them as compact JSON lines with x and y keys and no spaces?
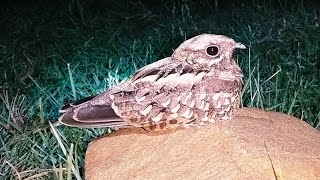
{"x":200,"y":83}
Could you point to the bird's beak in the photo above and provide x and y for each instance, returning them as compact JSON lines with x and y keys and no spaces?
{"x":240,"y":46}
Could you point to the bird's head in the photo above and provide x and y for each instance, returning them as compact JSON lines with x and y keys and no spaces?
{"x":207,"y":50}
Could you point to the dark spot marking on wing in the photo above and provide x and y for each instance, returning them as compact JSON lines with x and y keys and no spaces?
{"x":135,"y":120}
{"x":144,"y":129}
{"x":162,"y":125}
{"x":160,"y":75}
{"x":166,"y":89}
{"x":163,"y":110}
{"x":124,"y":93}
{"x":172,"y":71}
{"x":153,"y":127}
{"x":147,"y":94}
{"x":153,"y":103}
{"x":179,"y":67}
{"x":173,"y":121}
{"x":166,"y":73}
{"x":201,"y":70}
{"x":193,"y":87}
{"x":186,"y":70}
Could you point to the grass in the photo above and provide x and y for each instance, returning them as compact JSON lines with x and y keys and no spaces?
{"x":70,"y":50}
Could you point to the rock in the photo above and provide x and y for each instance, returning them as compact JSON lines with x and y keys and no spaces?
{"x":254,"y":145}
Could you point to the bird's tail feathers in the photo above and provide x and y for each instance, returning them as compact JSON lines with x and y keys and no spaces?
{"x":92,"y":116}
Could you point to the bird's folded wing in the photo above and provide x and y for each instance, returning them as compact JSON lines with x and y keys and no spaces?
{"x":83,"y":114}
{"x":98,"y":112}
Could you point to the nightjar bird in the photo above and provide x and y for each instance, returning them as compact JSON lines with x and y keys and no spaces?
{"x":200,"y":83}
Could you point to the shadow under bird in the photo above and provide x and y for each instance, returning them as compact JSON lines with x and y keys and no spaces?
{"x":199,"y":83}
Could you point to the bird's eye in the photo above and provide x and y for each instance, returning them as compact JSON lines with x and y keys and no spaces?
{"x":212,"y":50}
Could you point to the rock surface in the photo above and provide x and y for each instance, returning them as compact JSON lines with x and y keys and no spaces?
{"x":254,"y":145}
